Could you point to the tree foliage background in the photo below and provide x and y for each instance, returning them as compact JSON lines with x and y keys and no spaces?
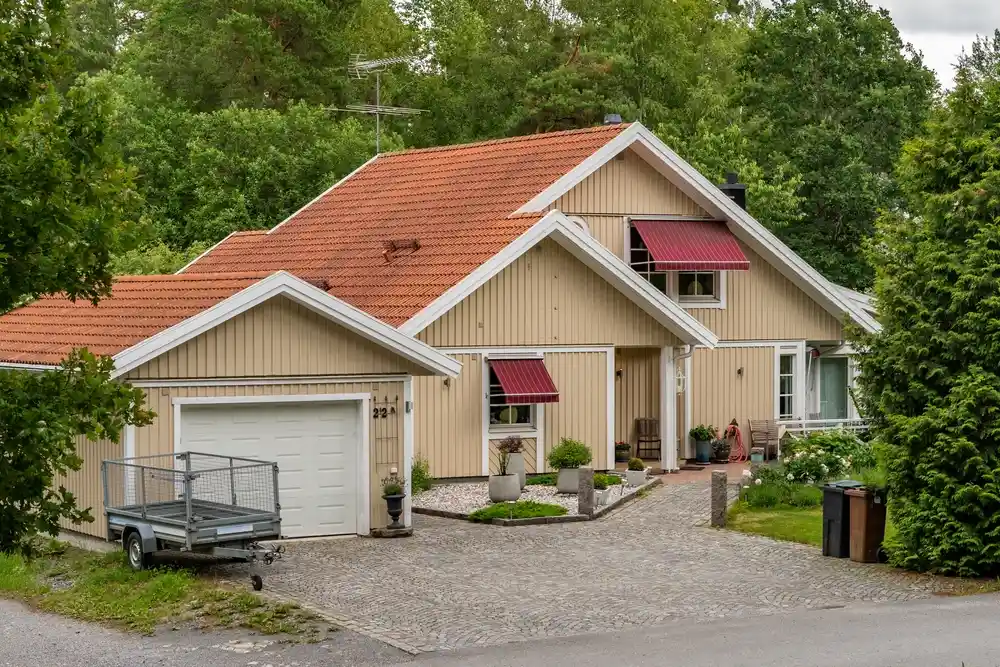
{"x":226,"y":109}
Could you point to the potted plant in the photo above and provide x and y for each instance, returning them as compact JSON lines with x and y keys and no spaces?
{"x":703,"y":436}
{"x":514,"y":447}
{"x":636,"y":473}
{"x":567,"y":457}
{"x":505,"y":486}
{"x":603,"y":484}
{"x":720,"y":450}
{"x":393,"y":492}
{"x":623,"y":451}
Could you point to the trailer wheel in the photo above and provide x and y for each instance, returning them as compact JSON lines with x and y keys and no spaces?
{"x":137,"y":558}
{"x":256,"y":582}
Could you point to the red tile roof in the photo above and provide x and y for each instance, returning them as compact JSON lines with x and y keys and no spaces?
{"x":46,"y":330}
{"x":457,"y":201}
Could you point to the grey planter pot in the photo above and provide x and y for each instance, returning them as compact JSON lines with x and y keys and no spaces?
{"x":568,"y":480}
{"x":515,"y":466}
{"x":635,"y":477}
{"x":504,"y":488}
{"x":601,"y":497}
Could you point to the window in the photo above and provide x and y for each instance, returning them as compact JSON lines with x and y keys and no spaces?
{"x":786,"y":386}
{"x":687,"y":287}
{"x":504,"y":415}
{"x":696,"y":286}
{"x":833,"y":388}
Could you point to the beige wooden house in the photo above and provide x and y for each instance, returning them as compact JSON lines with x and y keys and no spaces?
{"x":557,"y":285}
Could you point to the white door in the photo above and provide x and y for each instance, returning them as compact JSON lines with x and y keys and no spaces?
{"x":316,"y":447}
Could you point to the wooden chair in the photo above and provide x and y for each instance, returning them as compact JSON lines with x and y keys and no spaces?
{"x":764,"y":433}
{"x":648,"y":441}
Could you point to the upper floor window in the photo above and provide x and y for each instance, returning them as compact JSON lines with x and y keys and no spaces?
{"x":704,"y":289}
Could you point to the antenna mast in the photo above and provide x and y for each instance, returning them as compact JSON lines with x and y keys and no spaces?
{"x":359,"y":68}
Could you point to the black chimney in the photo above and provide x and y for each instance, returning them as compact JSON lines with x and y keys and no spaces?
{"x":735,"y":190}
{"x":613,"y":119}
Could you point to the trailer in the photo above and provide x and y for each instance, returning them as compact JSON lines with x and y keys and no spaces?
{"x":222,"y":506}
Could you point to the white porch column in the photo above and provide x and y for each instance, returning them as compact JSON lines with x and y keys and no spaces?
{"x":688,"y":383}
{"x":668,"y":410}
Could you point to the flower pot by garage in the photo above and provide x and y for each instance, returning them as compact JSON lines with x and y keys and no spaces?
{"x":602,"y":496}
{"x":504,"y":488}
{"x":515,"y":466}
{"x":568,"y":480}
{"x":703,"y":451}
{"x":394,"y":504}
{"x":623,"y":452}
{"x":635,"y":477}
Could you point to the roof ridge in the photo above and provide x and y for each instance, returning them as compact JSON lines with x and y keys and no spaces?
{"x":509,"y":140}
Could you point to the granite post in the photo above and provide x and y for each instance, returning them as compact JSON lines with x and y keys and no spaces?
{"x":719,"y":498}
{"x":585,"y":494}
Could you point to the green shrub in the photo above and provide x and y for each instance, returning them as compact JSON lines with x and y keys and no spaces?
{"x":420,"y":475}
{"x":636,"y":464}
{"x":873,"y":478}
{"x":603,"y":481}
{"x":774,"y":473}
{"x":569,"y":454}
{"x":522,"y":509}
{"x":544,"y":479}
{"x":764,"y":495}
{"x":805,"y":496}
{"x":826,"y":455}
{"x":703,"y":432}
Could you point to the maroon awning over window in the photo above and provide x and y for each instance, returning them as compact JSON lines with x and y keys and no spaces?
{"x":525,"y":381}
{"x":691,"y":245}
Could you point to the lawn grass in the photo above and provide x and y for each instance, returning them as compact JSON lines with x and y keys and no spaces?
{"x":522,"y":509}
{"x":102,"y":588}
{"x":792,"y":524}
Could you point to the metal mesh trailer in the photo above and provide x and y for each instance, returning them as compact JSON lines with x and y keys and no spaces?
{"x":189,"y":501}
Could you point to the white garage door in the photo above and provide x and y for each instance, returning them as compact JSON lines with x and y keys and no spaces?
{"x":316,"y":448}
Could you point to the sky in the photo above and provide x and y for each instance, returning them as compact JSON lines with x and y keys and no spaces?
{"x":940,"y":28}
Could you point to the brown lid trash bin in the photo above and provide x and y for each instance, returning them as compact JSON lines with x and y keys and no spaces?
{"x":867,"y":523}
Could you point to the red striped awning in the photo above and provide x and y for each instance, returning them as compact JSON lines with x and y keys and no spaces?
{"x":691,"y":245}
{"x":525,"y":381}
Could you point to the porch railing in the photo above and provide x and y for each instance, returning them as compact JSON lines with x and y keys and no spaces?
{"x":807,"y":426}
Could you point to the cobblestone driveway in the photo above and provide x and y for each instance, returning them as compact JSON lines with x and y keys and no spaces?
{"x":455,"y":584}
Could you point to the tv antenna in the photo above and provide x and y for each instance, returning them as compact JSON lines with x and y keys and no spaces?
{"x":360,"y":68}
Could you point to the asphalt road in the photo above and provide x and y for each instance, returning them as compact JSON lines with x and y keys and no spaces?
{"x":935,"y":633}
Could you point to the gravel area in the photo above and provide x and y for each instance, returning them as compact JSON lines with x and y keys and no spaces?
{"x":469,"y":496}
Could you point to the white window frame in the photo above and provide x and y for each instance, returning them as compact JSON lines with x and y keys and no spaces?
{"x":673,"y":279}
{"x":798,"y":351}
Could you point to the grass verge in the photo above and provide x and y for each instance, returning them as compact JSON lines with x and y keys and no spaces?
{"x":522,"y":509}
{"x":102,"y":588}
{"x":792,"y":524}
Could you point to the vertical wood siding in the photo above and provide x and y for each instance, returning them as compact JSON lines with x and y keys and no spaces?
{"x":546,"y":297}
{"x":528,"y":452}
{"x":627,"y":185}
{"x":448,"y":420}
{"x":86,"y":485}
{"x":761,"y":304}
{"x":277,"y":338}
{"x":637,"y":391}
{"x":385,"y":435}
{"x":581,"y":413}
{"x":719,"y":394}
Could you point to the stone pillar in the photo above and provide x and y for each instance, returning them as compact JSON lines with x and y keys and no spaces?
{"x":719,"y":498}
{"x":585,"y":494}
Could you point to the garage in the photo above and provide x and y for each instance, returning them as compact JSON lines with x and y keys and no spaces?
{"x":317,"y":445}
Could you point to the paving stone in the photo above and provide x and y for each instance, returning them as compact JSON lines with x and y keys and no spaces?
{"x":455,"y":584}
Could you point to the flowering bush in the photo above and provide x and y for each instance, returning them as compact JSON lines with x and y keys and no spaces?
{"x":774,"y":486}
{"x":823,"y":455}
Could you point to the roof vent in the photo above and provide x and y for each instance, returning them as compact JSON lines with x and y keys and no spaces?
{"x":394,"y":247}
{"x":613,"y":119}
{"x":735,"y":190}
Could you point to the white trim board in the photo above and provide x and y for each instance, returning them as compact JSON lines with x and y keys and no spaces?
{"x":707,"y":195}
{"x":562,"y":230}
{"x":267,"y":381}
{"x":15,"y":366}
{"x":364,"y":460}
{"x":285,"y":284}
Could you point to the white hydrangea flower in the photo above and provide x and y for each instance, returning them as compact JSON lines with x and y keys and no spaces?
{"x":791,"y":477}
{"x":824,"y":468}
{"x":758,"y":481}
